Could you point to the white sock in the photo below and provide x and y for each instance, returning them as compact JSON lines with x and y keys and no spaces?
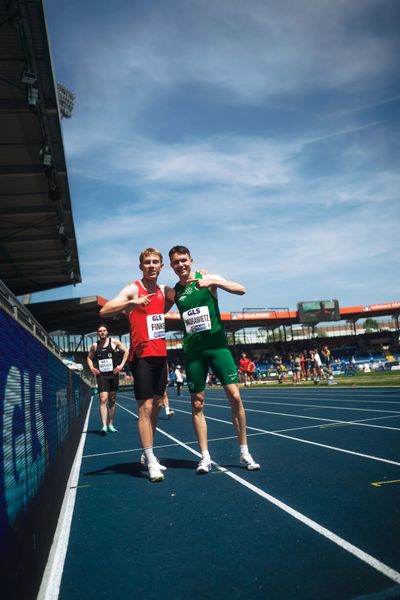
{"x":167,"y":411}
{"x":149,"y":454}
{"x":205,"y":454}
{"x":244,"y":449}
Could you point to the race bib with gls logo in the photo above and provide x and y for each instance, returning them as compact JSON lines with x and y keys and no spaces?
{"x":155,"y":327}
{"x":197,"y":319}
{"x":106,"y":365}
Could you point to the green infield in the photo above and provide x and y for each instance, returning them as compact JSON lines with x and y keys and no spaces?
{"x":356,"y":378}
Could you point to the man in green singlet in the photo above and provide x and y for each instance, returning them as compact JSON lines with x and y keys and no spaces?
{"x":205,"y":345}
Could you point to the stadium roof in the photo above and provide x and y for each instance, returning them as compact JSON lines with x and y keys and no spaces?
{"x":80,"y":316}
{"x":38,"y":249}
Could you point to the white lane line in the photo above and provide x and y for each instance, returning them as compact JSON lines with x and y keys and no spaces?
{"x":297,"y":405}
{"x":50,"y":586}
{"x":246,"y":399}
{"x":368,"y":392}
{"x":352,"y":452}
{"x":342,"y":543}
{"x":375,"y":410}
{"x":319,"y":425}
{"x":296,"y":439}
{"x":360,"y":422}
{"x":162,"y":446}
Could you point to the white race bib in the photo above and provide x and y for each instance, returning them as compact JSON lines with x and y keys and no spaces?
{"x":106,"y":365}
{"x":197,"y":319}
{"x":155,"y":326}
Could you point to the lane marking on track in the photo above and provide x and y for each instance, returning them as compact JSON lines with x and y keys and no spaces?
{"x":303,"y":441}
{"x":51,"y":580}
{"x":333,"y":399}
{"x":320,"y":529}
{"x":341,"y":424}
{"x":162,"y":446}
{"x":380,"y":483}
{"x":360,"y":422}
{"x":382,"y":410}
{"x":297,"y":405}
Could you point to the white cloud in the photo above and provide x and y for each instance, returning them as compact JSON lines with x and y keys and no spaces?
{"x":303,"y":204}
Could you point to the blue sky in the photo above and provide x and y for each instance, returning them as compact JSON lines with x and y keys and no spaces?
{"x":264,"y":135}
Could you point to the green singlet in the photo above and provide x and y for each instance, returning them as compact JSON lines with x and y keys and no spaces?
{"x":205,"y":344}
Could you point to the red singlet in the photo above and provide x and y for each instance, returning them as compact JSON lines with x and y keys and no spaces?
{"x":244,"y":364}
{"x":147,"y":326}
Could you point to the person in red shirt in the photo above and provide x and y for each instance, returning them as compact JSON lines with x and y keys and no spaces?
{"x":144,"y":304}
{"x":244,"y":368}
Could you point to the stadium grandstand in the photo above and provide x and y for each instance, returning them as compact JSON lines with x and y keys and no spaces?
{"x":43,"y":401}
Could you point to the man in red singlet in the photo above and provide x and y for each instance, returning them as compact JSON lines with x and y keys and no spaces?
{"x":144,"y":304}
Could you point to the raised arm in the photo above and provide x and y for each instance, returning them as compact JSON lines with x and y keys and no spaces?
{"x":126,"y":300}
{"x":169,"y":294}
{"x":216,"y":281}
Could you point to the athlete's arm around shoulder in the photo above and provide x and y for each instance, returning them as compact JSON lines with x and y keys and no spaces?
{"x":214,"y":282}
{"x":124,"y":302}
{"x":169,"y":294}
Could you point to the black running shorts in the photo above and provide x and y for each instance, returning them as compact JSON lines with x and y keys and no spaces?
{"x":107,"y":383}
{"x":149,"y":376}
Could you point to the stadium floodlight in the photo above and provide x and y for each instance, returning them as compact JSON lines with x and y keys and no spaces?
{"x":45,"y":156}
{"x":54,"y":192}
{"x":33,"y":97}
{"x":66,"y":100}
{"x":28,"y":77}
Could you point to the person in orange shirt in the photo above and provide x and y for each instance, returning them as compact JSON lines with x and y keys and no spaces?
{"x":244,"y":368}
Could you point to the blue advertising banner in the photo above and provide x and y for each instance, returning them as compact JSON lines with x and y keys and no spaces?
{"x":42,"y":407}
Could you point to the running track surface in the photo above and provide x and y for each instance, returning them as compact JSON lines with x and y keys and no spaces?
{"x":319,"y":521}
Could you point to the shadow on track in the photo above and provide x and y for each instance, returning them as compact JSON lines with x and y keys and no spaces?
{"x":136,"y":469}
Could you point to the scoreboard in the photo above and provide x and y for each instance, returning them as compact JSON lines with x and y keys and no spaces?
{"x":318,"y":311}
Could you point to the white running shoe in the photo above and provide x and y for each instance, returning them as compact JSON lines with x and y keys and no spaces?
{"x":143,"y":462}
{"x":155,"y":472}
{"x":249,"y":462}
{"x":204,"y":466}
{"x":170,"y":414}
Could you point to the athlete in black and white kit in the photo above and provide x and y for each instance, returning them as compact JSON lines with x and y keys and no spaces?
{"x":104,"y":362}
